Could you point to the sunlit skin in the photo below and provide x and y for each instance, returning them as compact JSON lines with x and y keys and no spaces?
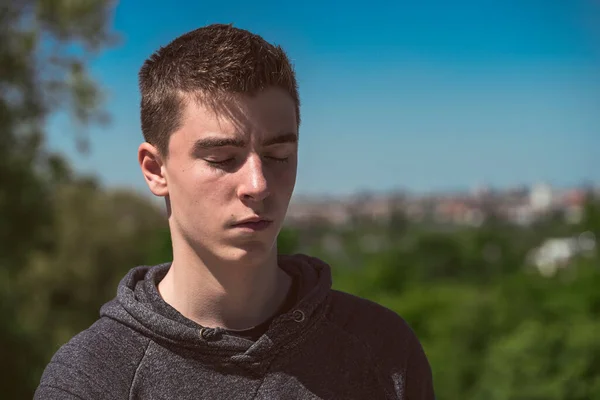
{"x":227,"y":180}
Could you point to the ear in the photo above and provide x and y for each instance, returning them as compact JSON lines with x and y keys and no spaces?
{"x":152,"y":164}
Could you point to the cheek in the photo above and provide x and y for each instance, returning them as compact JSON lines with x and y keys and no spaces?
{"x":290,"y":172}
{"x":285,"y":178}
{"x":196,"y":186}
{"x":195,"y":176}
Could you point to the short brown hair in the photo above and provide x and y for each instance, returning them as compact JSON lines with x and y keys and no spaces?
{"x":210,"y":63}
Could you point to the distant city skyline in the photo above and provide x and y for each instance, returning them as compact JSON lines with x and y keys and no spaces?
{"x":427,"y":96}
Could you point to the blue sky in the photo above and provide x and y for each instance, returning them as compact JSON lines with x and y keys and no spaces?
{"x":420,"y":95}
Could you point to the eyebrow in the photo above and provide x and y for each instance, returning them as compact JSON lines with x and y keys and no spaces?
{"x":282,"y":138}
{"x":215,"y":142}
{"x":210,"y":143}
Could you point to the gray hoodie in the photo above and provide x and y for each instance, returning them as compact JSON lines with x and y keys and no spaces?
{"x":329,"y":345}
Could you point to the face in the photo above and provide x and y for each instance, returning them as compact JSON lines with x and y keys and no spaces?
{"x":229,"y":176}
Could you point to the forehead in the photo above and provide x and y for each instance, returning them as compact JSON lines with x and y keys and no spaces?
{"x":259,"y":117}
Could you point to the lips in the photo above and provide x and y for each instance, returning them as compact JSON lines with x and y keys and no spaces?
{"x":254,"y":224}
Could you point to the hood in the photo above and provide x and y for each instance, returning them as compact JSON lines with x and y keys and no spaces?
{"x":139,"y":306}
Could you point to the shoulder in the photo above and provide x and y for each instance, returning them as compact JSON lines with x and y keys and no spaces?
{"x":370,"y":322}
{"x":98,"y":362}
{"x":388,"y":338}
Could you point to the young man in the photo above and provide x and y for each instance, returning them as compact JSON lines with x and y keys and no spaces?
{"x":229,"y":318}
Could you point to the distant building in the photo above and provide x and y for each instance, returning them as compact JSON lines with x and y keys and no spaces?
{"x":540,"y":197}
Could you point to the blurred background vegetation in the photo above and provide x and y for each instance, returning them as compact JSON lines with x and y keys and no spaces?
{"x":492,"y":324}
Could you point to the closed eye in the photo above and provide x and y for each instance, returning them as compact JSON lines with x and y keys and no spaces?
{"x":220,"y":163}
{"x":277,"y":159}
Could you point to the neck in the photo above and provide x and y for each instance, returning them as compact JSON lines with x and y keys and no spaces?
{"x":227,"y":295}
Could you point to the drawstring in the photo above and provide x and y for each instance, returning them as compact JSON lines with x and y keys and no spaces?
{"x":211,"y":333}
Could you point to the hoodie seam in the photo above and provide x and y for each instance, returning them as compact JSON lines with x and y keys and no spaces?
{"x":312,"y":326}
{"x":138,"y":367}
{"x":264,"y":378}
{"x":45,"y":385}
{"x":294,"y":344}
{"x":368,"y":351}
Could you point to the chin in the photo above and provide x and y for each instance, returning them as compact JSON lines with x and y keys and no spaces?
{"x":250,"y":252}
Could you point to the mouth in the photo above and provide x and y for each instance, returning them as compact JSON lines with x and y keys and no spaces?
{"x":254,"y":224}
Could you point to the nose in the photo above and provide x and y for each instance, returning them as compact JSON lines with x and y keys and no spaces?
{"x":253,"y":182}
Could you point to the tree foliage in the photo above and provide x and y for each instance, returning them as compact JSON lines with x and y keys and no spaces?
{"x":45,"y":46}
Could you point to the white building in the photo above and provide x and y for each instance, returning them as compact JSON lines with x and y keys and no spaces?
{"x":541,"y":197}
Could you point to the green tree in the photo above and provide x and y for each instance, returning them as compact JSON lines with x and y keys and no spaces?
{"x":545,"y":342}
{"x":44,"y":48}
{"x":100,"y":234}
